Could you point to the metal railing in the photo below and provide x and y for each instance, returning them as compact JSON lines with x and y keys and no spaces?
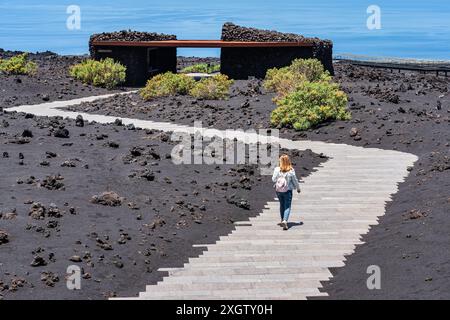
{"x":419,"y":65}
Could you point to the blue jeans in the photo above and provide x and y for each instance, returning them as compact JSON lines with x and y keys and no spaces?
{"x":285,"y":204}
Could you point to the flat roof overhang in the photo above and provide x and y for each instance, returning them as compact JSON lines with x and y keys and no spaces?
{"x":201,"y":44}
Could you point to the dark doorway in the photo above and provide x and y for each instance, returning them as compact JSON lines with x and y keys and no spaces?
{"x":152,"y":61}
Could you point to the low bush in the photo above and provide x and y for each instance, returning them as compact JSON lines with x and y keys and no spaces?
{"x":305,"y":95}
{"x":18,"y":65}
{"x":202,"y":68}
{"x":312,"y":69}
{"x":167,"y":84}
{"x":310,"y":104}
{"x":212,"y":88}
{"x":105,"y":73}
{"x":284,"y":80}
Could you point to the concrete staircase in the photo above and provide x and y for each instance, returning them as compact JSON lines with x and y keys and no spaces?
{"x":258,"y":260}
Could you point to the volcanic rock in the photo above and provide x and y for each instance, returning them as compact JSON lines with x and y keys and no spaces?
{"x":239,"y":202}
{"x":50,"y":154}
{"x":4,"y":237}
{"x":53,"y":211}
{"x":27,"y":133}
{"x":108,"y":198}
{"x":62,"y":133}
{"x":49,"y":278}
{"x":354,"y":132}
{"x":79,"y":122}
{"x":129,"y":35}
{"x":104,"y":244}
{"x":37,"y":211}
{"x":17,"y":283}
{"x":53,"y":183}
{"x":9,"y":215}
{"x":38,"y":261}
{"x":232,"y":32}
{"x":148,"y":175}
{"x":113,"y":144}
{"x":69,"y":164}
{"x":75,"y":259}
{"x":415,"y":214}
{"x":159,"y":222}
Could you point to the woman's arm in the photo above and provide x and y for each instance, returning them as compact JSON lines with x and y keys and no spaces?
{"x":295,"y":180}
{"x":276,"y":172}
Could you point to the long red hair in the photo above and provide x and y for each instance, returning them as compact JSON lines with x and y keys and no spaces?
{"x":285,"y":163}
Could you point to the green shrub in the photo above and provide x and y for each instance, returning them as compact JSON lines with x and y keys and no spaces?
{"x":202,"y":68}
{"x":284,"y":80}
{"x":305,"y":95}
{"x":105,"y":73}
{"x":212,"y":88}
{"x":167,"y":84}
{"x":311,"y":103}
{"x":18,"y":65}
{"x":312,"y":69}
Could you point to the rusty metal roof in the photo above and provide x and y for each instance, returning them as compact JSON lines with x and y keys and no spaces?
{"x":201,"y":44}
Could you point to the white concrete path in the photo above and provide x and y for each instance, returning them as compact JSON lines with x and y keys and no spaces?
{"x":258,"y":260}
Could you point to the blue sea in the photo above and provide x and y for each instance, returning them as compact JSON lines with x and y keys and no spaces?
{"x":409,"y":29}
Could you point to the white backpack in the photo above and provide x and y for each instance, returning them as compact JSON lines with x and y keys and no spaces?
{"x":282,"y":184}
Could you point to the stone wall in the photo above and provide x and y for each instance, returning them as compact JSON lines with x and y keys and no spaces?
{"x":240,"y":63}
{"x":129,"y":35}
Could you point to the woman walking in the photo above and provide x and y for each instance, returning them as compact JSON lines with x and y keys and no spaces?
{"x":285,"y":181}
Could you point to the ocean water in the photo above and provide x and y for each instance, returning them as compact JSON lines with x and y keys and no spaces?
{"x":409,"y":29}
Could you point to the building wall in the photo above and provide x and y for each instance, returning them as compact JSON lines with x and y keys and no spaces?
{"x":240,"y":63}
{"x":141,"y":62}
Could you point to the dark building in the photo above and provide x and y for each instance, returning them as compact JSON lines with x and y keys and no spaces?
{"x":242,"y":62}
{"x":142,"y":62}
{"x":245,"y":51}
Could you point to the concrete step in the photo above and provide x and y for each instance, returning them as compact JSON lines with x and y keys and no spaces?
{"x":300,"y":217}
{"x":338,"y":211}
{"x":264,"y":258}
{"x":271,"y":227}
{"x":297,"y":218}
{"x":236,"y":294}
{"x":289,"y":242}
{"x":251,"y":264}
{"x":242,"y":245}
{"x":280,"y":252}
{"x":264,"y":284}
{"x":274,"y":216}
{"x":299,"y":272}
{"x":290,"y":236}
{"x":211,"y":278}
{"x":295,"y":234}
{"x":329,"y":207}
{"x":274,"y":230}
{"x":231,"y":296}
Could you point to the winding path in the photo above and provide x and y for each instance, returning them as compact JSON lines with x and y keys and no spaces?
{"x":338,"y":204}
